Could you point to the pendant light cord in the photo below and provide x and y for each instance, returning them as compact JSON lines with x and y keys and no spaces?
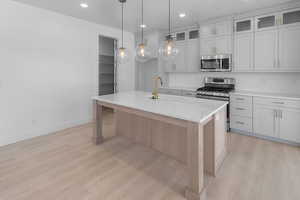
{"x":169,"y":17}
{"x":142,"y":21}
{"x":122,"y":25}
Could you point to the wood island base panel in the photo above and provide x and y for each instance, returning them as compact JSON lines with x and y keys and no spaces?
{"x":202,"y":146}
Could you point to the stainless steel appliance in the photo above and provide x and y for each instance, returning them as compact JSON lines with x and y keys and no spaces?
{"x":217,"y":89}
{"x":216,"y":63}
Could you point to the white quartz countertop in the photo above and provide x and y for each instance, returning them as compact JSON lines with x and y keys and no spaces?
{"x":179,"y":107}
{"x":268,"y":95}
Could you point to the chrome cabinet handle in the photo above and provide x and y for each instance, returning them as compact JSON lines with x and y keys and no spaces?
{"x":240,"y":109}
{"x":238,"y":122}
{"x":274,"y":120}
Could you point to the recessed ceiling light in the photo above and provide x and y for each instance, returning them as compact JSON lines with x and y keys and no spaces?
{"x":84,"y":5}
{"x":143,"y":26}
{"x":182,"y":15}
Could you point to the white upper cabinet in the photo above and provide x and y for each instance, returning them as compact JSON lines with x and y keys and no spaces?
{"x":243,"y":26}
{"x":243,"y":52}
{"x":193,"y":56}
{"x":216,"y":38}
{"x":289,"y":48}
{"x":207,"y":30}
{"x":266,"y":50}
{"x":188,"y":58}
{"x":224,"y":45}
{"x":193,"y":51}
{"x":224,"y":28}
{"x":179,"y":64}
{"x":207,"y":46}
{"x":220,"y":28}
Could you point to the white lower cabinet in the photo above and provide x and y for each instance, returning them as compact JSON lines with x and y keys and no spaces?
{"x":273,"y":118}
{"x":241,"y":123}
{"x":290,"y":125}
{"x":241,"y":113}
{"x":264,"y":121}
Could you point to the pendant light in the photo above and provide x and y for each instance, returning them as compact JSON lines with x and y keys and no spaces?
{"x":123,"y":53}
{"x":143,"y":52}
{"x":168,"y":50}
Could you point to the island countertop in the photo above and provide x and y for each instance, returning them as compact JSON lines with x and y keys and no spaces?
{"x":179,"y":107}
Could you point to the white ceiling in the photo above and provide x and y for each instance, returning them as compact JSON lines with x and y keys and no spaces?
{"x":107,"y":12}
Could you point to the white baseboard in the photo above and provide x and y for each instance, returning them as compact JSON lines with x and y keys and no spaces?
{"x":46,"y":131}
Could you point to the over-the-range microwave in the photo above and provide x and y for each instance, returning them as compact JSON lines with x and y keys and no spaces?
{"x":216,"y":63}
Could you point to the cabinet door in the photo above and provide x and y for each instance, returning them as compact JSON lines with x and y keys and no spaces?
{"x":223,"y":45}
{"x":207,"y":47}
{"x":266,"y":53}
{"x":179,"y":61}
{"x":243,"y":52}
{"x":264,"y":121}
{"x":208,"y":30}
{"x":224,"y":28}
{"x":290,"y":125}
{"x":289,"y":48}
{"x":193,"y":56}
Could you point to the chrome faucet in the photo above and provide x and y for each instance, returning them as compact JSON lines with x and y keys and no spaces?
{"x":155,"y":89}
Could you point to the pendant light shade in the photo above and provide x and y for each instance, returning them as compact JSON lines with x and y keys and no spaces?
{"x":168,"y":50}
{"x":143,"y":51}
{"x":123,"y":53}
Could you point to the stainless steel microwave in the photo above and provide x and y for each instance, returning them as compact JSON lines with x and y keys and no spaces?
{"x":216,"y":63}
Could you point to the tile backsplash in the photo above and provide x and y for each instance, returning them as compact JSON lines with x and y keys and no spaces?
{"x":260,"y":82}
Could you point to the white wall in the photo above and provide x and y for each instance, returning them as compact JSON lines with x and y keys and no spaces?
{"x":260,"y":82}
{"x":49,"y":70}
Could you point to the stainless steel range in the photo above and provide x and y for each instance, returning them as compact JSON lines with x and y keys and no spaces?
{"x":217,"y":89}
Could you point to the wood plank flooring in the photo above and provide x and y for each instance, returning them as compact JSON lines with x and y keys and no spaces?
{"x":67,"y":165}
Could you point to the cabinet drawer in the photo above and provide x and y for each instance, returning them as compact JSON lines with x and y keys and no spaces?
{"x":241,"y":99}
{"x":241,"y":123}
{"x":276,"y":102}
{"x":241,"y":109}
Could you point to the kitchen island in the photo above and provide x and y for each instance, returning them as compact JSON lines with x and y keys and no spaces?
{"x":190,"y":130}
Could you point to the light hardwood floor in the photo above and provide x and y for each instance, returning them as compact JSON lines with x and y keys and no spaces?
{"x":67,"y":165}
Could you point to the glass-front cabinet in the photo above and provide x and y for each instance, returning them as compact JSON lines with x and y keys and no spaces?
{"x":243,"y":26}
{"x":270,"y":21}
{"x":265,"y":22}
{"x":290,"y":17}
